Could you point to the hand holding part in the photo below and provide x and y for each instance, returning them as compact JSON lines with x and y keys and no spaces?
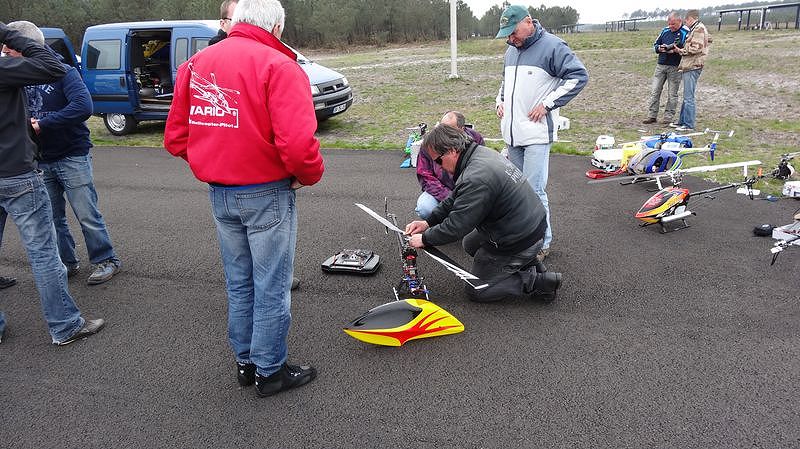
{"x":416,"y":227}
{"x":416,"y":241}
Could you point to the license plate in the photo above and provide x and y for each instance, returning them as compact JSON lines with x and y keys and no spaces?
{"x":339,"y":108}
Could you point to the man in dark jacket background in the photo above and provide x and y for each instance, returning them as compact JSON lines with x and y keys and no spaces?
{"x":226,"y":10}
{"x":496,"y":212}
{"x":58,"y":114}
{"x":23,"y":195}
{"x":667,"y":45}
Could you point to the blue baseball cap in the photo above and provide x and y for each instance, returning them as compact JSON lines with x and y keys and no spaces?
{"x":513,"y":15}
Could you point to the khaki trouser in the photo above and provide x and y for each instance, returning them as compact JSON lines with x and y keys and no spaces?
{"x":670,"y":75}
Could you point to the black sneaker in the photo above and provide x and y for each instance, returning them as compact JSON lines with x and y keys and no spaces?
{"x":287,"y":377}
{"x":546,"y":287}
{"x":7,"y":282}
{"x":245,"y":374}
{"x":72,"y":269}
{"x":90,"y":327}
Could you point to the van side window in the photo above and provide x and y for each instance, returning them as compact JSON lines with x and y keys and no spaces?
{"x":199,"y":44}
{"x":103,"y":54}
{"x":181,"y":51}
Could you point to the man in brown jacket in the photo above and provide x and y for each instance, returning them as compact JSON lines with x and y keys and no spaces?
{"x":693,"y":56}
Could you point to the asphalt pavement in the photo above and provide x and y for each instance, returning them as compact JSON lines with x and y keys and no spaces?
{"x":688,"y":339}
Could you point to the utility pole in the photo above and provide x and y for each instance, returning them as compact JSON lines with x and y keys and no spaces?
{"x":453,"y":40}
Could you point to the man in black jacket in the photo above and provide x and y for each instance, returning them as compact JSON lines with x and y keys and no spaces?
{"x":23,"y":195}
{"x":496,"y":212}
{"x":225,"y":15}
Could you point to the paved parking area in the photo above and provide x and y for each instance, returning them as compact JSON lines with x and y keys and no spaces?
{"x":689,"y":339}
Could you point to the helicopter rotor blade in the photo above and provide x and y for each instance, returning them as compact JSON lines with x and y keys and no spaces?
{"x":382,"y":220}
{"x":454,"y":267}
{"x":678,"y":172}
{"x":705,"y":168}
{"x":433,"y":252}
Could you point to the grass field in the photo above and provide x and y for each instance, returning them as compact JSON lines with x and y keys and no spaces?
{"x":750,"y":85}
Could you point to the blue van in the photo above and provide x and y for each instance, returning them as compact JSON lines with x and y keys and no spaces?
{"x":130,"y":69}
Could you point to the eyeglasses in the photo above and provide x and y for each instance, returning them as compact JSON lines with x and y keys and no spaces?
{"x":438,"y":160}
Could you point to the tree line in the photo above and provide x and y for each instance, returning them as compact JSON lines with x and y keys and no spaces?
{"x":309,"y":23}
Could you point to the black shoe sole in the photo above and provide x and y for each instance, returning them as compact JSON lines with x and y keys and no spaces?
{"x":9,"y":283}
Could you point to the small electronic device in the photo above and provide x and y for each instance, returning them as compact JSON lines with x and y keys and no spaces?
{"x":354,"y":261}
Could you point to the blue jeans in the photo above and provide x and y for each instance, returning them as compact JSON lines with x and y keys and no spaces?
{"x":425,"y":205}
{"x":257,"y":230}
{"x":24,"y":197}
{"x":688,"y":109}
{"x":534,"y":163}
{"x":71,"y":176}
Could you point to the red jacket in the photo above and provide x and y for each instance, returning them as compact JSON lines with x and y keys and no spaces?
{"x":242,"y":113}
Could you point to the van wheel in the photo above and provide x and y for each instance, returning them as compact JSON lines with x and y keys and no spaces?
{"x":119,"y":124}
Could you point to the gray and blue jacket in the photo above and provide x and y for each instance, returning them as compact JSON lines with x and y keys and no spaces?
{"x":543,"y":70}
{"x":668,"y":37}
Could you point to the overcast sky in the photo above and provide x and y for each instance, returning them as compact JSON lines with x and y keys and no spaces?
{"x":594,"y":11}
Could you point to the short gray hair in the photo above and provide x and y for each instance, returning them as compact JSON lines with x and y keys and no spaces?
{"x":27,"y":29}
{"x":444,"y":138}
{"x":261,"y":13}
{"x":460,"y":119}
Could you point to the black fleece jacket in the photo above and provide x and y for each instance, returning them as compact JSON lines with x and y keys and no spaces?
{"x":492,"y":196}
{"x":37,"y":65}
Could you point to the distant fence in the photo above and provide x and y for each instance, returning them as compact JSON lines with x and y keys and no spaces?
{"x":624,"y":24}
{"x":746,"y":13}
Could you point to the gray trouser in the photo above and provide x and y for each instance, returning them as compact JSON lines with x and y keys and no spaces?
{"x":670,"y":75}
{"x":511,"y":275}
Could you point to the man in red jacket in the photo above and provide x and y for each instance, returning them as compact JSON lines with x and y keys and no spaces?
{"x":246,"y":126}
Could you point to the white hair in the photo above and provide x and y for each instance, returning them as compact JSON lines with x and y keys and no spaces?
{"x":261,"y":13}
{"x":27,"y":29}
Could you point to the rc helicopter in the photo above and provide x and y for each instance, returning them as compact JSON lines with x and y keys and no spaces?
{"x":670,"y":204}
{"x":655,"y":156}
{"x":609,"y":159}
{"x":787,"y":236}
{"x":411,"y":315}
{"x":785,"y":170}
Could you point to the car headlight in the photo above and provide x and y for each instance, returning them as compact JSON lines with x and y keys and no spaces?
{"x":345,"y":82}
{"x":314,"y":90}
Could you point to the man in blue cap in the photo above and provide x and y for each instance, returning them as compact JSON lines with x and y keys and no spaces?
{"x":541,"y":74}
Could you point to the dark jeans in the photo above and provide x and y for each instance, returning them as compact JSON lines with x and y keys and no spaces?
{"x":507,"y":275}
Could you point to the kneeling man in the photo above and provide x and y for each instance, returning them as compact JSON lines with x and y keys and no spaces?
{"x":492,"y":208}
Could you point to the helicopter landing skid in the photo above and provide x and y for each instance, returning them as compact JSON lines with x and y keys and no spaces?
{"x":665,"y":230}
{"x":672,"y":218}
{"x":685,"y":225}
